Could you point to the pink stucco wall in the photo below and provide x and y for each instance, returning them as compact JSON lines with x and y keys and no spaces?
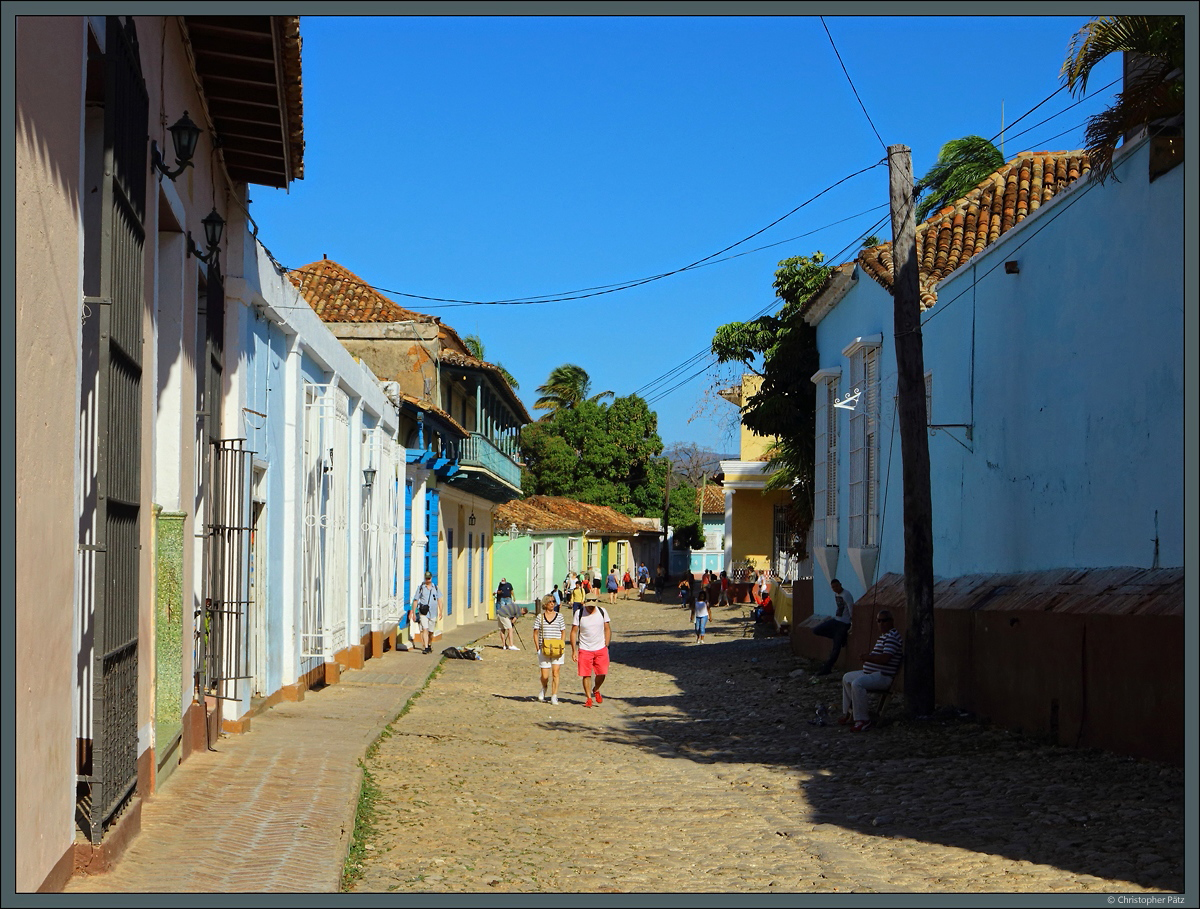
{"x":48,"y":313}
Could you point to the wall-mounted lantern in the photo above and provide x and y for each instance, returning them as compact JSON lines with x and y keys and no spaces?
{"x":368,"y":477}
{"x":214,"y":226}
{"x":184,"y":136}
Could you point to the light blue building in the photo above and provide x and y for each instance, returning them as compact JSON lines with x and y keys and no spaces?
{"x":313,"y":475}
{"x":1052,"y":325}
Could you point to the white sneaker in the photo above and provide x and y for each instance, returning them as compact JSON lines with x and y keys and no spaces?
{"x":542,"y":695}
{"x":513,"y":647}
{"x":554,"y":699}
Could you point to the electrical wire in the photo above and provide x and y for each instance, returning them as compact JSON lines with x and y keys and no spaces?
{"x":852,"y":88}
{"x":710,"y":358}
{"x":599,"y":290}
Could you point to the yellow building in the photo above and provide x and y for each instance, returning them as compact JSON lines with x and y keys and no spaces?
{"x":756,"y":529}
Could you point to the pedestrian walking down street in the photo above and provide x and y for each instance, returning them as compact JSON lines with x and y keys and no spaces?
{"x":549,"y":639}
{"x":426,"y":610}
{"x":643,"y":578}
{"x":685,"y":591}
{"x":506,"y":611}
{"x":724,"y":600}
{"x":612,"y":584}
{"x":660,"y":582}
{"x":590,"y":636}
{"x":700,"y":615}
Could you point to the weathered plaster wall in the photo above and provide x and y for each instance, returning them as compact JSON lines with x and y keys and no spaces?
{"x":48,"y":318}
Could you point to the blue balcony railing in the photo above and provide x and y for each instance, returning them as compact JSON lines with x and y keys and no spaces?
{"x":478,"y":451}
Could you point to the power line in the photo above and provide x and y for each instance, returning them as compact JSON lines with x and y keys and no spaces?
{"x":600,"y":290}
{"x":710,"y":360}
{"x":852,"y":88}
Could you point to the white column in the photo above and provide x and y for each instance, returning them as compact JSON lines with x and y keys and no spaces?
{"x":354,"y":521}
{"x":291,"y":511}
{"x":729,"y":529}
{"x":419,"y":540}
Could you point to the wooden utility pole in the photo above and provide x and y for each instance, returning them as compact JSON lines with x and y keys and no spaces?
{"x":914,"y":438}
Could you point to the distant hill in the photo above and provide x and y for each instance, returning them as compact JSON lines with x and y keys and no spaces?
{"x":694,"y":463}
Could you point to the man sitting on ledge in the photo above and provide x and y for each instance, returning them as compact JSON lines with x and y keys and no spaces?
{"x":764,"y":614}
{"x":879,"y":669}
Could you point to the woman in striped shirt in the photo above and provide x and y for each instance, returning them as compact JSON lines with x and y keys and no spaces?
{"x":549,"y":639}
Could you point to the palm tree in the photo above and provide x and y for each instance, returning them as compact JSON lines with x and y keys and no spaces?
{"x":567,"y":386}
{"x":961,"y":165}
{"x":1153,"y":90}
{"x":474,"y":347}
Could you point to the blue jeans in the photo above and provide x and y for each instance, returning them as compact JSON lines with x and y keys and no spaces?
{"x":701,"y":621}
{"x":838,"y":631}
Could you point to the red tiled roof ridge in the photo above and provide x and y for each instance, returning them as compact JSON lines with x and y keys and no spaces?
{"x":339,"y":295}
{"x":602,"y":518}
{"x":951,"y":236}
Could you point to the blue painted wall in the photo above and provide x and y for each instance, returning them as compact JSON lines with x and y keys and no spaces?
{"x":1076,"y":391}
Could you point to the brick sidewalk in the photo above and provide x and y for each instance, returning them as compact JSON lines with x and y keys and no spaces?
{"x":288,"y":789}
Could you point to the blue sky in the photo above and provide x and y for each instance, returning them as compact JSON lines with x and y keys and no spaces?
{"x":495,"y":158}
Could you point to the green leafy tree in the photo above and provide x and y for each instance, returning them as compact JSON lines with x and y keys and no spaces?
{"x":607,"y":455}
{"x":567,"y":387}
{"x":961,"y":165}
{"x":782,"y":348}
{"x":1153,"y":93}
{"x":475,"y":347}
{"x":598,"y":453}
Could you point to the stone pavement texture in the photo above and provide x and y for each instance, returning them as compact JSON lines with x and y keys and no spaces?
{"x":273,"y":810}
{"x":700,"y":772}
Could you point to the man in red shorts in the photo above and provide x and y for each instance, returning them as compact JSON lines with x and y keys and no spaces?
{"x":590,"y":635}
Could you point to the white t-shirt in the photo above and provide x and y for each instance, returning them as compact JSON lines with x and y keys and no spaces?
{"x":844,"y":606}
{"x":591,"y":628}
{"x":701,"y":608}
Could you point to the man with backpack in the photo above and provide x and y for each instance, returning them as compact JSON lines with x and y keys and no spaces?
{"x":426,"y":610}
{"x":506,"y":611}
{"x":590,"y":635}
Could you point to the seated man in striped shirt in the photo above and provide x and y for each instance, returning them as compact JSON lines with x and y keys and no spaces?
{"x":879,"y":669}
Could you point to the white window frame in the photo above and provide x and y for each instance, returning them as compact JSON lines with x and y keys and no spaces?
{"x":863,"y":485}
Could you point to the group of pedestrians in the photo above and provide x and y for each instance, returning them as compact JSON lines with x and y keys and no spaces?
{"x":588,"y":640}
{"x":591,"y":632}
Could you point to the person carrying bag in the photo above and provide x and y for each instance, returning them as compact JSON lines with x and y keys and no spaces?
{"x":549,"y":632}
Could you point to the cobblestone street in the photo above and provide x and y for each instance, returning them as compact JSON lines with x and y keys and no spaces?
{"x":701,"y":772}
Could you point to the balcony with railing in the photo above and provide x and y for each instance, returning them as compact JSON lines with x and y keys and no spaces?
{"x":487,"y":471}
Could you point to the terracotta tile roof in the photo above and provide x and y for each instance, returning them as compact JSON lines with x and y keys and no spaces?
{"x":950,"y":237}
{"x":465,"y":360}
{"x":418,"y":404}
{"x":339,"y":295}
{"x":560,"y":513}
{"x":1110,"y":591}
{"x":525,"y":513}
{"x":714,"y":500}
